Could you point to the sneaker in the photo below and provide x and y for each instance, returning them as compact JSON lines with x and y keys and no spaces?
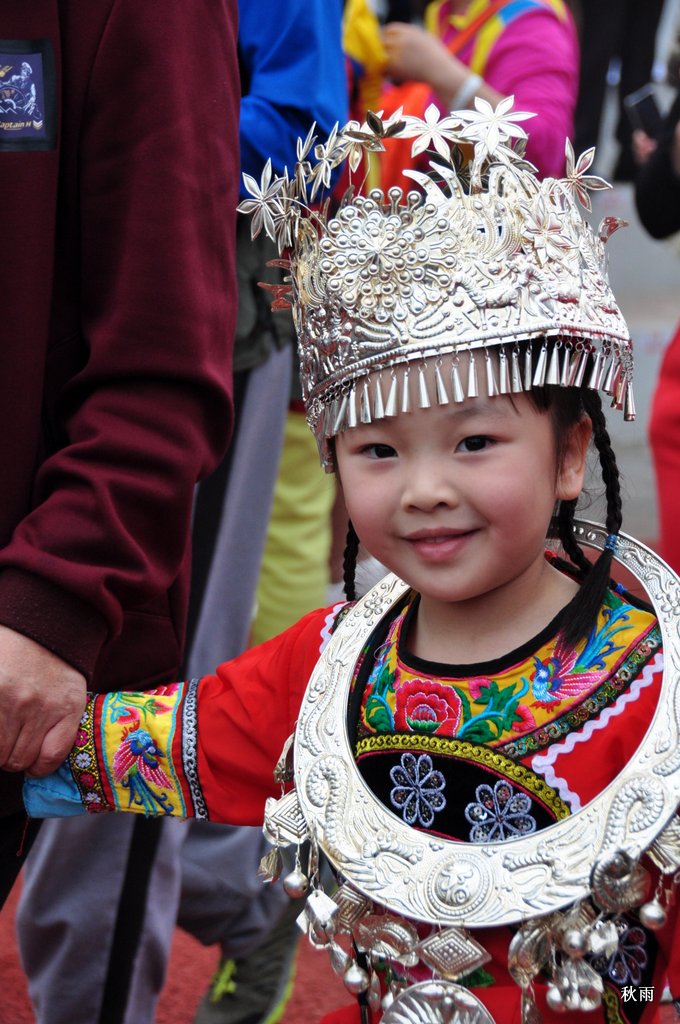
{"x":255,"y":990}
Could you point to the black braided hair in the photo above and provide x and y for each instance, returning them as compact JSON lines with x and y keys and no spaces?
{"x":580,"y":615}
{"x":565,"y":531}
{"x":349,"y":562}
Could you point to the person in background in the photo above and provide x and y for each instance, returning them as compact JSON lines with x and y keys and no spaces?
{"x":623,"y":29}
{"x":118,"y":173}
{"x":487,"y":50}
{"x":261,"y":521}
{"x":657,"y":197}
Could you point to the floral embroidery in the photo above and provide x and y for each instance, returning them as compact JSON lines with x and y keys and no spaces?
{"x":426,"y":706}
{"x":417,"y":791}
{"x":133,"y":707}
{"x":626,"y":965}
{"x":499,"y":709}
{"x":499,"y":813}
{"x":526,"y":706}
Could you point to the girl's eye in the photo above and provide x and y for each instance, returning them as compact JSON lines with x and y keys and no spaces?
{"x":477,"y":443}
{"x":379,"y":451}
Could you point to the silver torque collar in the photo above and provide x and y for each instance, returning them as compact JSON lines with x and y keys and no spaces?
{"x":468,"y":885}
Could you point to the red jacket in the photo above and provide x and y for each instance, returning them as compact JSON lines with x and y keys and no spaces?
{"x":118,"y":310}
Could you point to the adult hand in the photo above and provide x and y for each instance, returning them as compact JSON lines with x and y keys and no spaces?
{"x":643,"y":146}
{"x":415,"y":55}
{"x":42,"y":700}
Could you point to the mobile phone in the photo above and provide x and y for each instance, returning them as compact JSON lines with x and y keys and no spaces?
{"x":643,"y":112}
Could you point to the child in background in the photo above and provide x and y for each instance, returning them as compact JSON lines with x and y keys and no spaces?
{"x":453,"y":347}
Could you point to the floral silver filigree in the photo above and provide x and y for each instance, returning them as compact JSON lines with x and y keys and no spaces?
{"x":482,"y":254}
{"x":418,"y":792}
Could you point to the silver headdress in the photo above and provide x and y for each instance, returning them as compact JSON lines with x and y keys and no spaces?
{"x":483,"y":257}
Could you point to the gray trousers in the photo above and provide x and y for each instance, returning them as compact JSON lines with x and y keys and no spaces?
{"x":69,"y":928}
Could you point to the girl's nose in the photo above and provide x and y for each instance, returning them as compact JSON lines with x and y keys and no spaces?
{"x":428,"y":485}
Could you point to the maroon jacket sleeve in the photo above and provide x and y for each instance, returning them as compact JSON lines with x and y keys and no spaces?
{"x":136,"y":395}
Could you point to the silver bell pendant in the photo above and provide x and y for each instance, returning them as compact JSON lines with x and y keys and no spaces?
{"x":355,"y":979}
{"x":653,"y":915}
{"x":553,"y":998}
{"x":296,"y":883}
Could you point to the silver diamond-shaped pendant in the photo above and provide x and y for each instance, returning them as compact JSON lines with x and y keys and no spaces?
{"x":322,"y":912}
{"x":284,"y":822}
{"x":352,"y":906}
{"x":452,"y":953}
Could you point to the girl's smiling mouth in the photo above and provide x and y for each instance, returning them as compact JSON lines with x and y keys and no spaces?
{"x":438,"y":544}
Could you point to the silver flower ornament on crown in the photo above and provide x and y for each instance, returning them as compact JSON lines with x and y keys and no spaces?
{"x":482,"y":257}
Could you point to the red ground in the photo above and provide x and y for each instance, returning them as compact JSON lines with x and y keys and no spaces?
{"x":317,"y":990}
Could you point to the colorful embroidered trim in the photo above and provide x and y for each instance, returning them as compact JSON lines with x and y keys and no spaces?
{"x":590,"y":706}
{"x":190,"y":748}
{"x":136,"y":736}
{"x":84,"y":765}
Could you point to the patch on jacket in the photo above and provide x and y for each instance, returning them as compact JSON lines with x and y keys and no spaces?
{"x":27,"y":94}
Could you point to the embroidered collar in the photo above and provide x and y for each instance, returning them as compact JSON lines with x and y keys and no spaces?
{"x":497,"y":702}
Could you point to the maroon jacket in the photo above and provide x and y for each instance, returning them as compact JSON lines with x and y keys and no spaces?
{"x":117,"y":312}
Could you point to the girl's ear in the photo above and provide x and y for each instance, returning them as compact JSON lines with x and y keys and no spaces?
{"x":572,"y":469}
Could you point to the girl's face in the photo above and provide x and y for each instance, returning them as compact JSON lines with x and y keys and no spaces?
{"x":457,"y":499}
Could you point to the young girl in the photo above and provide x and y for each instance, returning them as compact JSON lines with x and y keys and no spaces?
{"x":454,"y":344}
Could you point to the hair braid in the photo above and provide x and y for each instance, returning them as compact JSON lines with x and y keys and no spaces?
{"x":565,"y":532}
{"x":580,"y":615}
{"x":610,"y":470}
{"x":349,"y":562}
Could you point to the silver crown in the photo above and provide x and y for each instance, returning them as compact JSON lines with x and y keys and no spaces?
{"x":484,"y":257}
